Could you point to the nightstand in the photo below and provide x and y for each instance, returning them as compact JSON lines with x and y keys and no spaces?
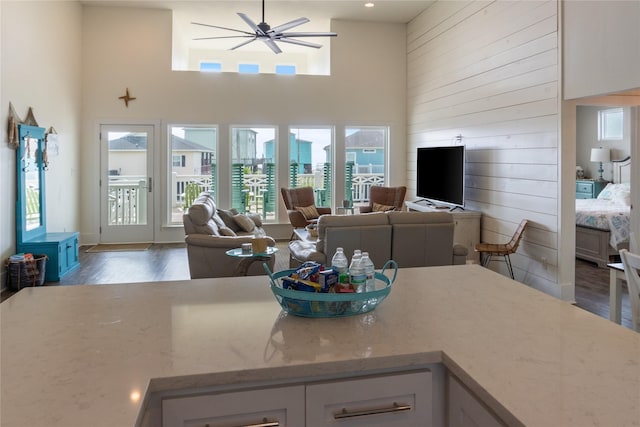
{"x":589,"y":189}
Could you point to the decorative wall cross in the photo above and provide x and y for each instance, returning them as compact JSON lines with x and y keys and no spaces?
{"x":126,"y":98}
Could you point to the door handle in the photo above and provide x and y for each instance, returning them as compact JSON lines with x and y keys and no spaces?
{"x":149,"y":186}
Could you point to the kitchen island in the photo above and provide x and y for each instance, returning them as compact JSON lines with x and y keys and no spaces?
{"x":93,"y":355}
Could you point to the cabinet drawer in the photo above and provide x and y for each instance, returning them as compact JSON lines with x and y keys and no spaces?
{"x":400,"y":400}
{"x":281,"y":406}
{"x":584,"y":187}
{"x":584,"y":196}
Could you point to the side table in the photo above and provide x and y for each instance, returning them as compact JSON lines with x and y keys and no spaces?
{"x":250,"y":258}
{"x":341,"y":210}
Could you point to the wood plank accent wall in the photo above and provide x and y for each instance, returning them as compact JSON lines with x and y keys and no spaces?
{"x":488,"y":70}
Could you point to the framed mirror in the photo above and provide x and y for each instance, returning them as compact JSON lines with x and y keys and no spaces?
{"x":30,"y":201}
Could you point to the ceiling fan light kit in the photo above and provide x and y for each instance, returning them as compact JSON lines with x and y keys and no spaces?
{"x":268,"y":35}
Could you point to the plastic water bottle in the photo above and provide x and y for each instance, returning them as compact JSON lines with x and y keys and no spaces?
{"x":370,"y":278}
{"x":357,"y":277}
{"x":340,"y":264}
{"x":369,"y":272}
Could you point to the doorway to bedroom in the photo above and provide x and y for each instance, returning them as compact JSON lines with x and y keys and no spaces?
{"x":590,"y":139}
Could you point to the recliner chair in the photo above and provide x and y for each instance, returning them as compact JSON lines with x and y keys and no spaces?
{"x":302,"y":197}
{"x":209,"y":237}
{"x":384,"y":197}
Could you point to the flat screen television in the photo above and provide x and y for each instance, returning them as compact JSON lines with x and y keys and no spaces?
{"x":440,"y":175}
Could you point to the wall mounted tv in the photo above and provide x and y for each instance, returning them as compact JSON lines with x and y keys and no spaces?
{"x":440,"y":175}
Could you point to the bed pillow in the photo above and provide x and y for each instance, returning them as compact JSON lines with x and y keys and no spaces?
{"x":617,"y":192}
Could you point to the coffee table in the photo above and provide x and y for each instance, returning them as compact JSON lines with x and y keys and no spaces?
{"x":249,"y":258}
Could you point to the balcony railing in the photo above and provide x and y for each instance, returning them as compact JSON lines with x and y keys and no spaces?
{"x":127,"y":194}
{"x":127,"y":200}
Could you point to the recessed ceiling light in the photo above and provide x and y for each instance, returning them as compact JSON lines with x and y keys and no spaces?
{"x":369,"y":4}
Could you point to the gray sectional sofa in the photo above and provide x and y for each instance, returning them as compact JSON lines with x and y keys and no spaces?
{"x":412,"y":239}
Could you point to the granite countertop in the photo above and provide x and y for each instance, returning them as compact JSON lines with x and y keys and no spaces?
{"x":89,"y":355}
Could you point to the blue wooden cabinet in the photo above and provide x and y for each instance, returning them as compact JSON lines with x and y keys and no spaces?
{"x":589,"y":189}
{"x":61,"y":248}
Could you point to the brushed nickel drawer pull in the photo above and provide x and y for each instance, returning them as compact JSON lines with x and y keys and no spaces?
{"x":264,"y":423}
{"x":395,"y":408}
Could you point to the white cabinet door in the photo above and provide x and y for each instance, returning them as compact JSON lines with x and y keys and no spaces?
{"x":465,"y":410}
{"x":393,"y":401}
{"x":281,"y":406}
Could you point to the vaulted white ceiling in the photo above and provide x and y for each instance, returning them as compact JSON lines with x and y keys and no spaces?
{"x":224,"y":13}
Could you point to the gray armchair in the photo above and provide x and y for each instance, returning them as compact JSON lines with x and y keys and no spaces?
{"x":209,"y":236}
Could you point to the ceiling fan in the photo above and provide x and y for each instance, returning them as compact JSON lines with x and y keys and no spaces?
{"x":268,"y":35}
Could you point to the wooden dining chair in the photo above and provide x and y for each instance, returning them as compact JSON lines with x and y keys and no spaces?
{"x":631,"y":264}
{"x":488,"y":250}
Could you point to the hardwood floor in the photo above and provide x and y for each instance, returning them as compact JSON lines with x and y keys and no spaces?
{"x":163,"y":262}
{"x":592,"y":291}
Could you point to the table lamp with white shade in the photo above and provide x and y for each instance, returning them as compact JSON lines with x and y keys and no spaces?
{"x":600,"y":155}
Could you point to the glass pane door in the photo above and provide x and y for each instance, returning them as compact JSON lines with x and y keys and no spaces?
{"x":126,"y":183}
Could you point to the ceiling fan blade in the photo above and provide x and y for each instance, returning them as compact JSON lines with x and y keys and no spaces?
{"x":288,"y":25}
{"x":272,"y":45}
{"x":250,"y":23}
{"x":224,"y":37}
{"x":299,"y":42}
{"x":331,"y":34}
{"x":244,"y":43}
{"x":222,"y":28}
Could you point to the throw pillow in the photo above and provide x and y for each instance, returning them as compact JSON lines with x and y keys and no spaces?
{"x":244,"y":222}
{"x":309,"y":212}
{"x":226,"y":231}
{"x":227,"y":218}
{"x":377,"y":207}
{"x":256,"y":218}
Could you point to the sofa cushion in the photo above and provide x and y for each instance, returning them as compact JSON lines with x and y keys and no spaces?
{"x":370,"y":232}
{"x":309,"y":212}
{"x":244,"y":222}
{"x":210,"y":227}
{"x":377,"y":207}
{"x":226,"y":231}
{"x":400,"y":217}
{"x":219,"y":222}
{"x":201,"y":210}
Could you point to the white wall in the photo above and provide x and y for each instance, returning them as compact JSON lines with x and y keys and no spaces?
{"x":601,"y":47}
{"x":489,"y":71}
{"x":40,"y":68}
{"x":132,"y":48}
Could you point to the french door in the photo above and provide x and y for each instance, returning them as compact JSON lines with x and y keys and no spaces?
{"x":126,"y":184}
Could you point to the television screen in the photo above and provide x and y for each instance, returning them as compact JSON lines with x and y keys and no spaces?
{"x":440,"y":174}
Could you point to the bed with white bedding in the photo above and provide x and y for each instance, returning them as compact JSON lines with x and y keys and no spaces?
{"x":603,"y":224}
